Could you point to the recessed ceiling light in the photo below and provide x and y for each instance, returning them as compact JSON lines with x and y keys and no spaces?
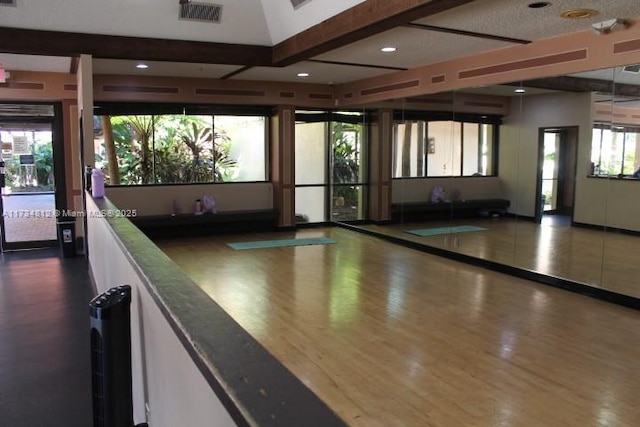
{"x":579,"y":13}
{"x":303,"y":74}
{"x":388,"y":49}
{"x":539,"y":4}
{"x":142,"y":66}
{"x":519,"y":90}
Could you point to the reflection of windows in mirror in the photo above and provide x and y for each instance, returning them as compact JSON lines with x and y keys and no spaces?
{"x":615,"y":151}
{"x":443,"y":148}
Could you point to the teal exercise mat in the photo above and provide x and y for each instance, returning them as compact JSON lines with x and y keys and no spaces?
{"x":445,"y":230}
{"x":264,"y":244}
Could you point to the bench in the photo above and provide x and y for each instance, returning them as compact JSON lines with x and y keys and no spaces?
{"x":420,"y":211}
{"x":189,"y":225}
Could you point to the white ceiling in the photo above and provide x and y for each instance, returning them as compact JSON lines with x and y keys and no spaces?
{"x":267,"y":22}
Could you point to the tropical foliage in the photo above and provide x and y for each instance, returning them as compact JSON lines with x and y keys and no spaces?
{"x":168,"y":149}
{"x":27,"y":178}
{"x":346,"y":168}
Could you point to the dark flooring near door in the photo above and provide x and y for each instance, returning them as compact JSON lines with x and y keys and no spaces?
{"x":45,"y":367}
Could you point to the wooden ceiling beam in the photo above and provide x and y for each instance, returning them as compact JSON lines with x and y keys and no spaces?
{"x":57,"y":43}
{"x":361,"y":21}
{"x":581,"y":84}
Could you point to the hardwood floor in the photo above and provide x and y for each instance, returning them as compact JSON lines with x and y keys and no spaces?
{"x":45,"y":369}
{"x":606,"y":260}
{"x":389,"y":336}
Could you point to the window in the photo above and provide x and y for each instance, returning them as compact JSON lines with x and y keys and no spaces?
{"x":615,"y":151}
{"x":431,"y":148}
{"x":136,"y":149}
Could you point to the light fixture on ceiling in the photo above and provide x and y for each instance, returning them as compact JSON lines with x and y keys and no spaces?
{"x":303,"y":74}
{"x":520,"y":89}
{"x":609,"y":26}
{"x":142,"y":66}
{"x":388,"y":49}
{"x":578,"y":13}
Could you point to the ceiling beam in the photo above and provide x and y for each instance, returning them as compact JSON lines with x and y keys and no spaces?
{"x":57,"y":43}
{"x":466,"y":33}
{"x":581,"y":84}
{"x":361,"y":21}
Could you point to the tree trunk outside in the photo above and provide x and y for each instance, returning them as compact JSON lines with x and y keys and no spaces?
{"x":112,"y":159}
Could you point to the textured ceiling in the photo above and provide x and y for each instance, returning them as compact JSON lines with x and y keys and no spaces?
{"x":258,"y":22}
{"x":269,"y":22}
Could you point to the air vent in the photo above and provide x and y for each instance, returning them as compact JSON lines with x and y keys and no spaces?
{"x":22,"y":110}
{"x":299,"y":3}
{"x":633,"y":69}
{"x":203,"y":12}
{"x":8,"y":2}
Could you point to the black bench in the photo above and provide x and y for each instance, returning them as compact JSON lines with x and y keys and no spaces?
{"x":188,"y":225}
{"x":420,"y":211}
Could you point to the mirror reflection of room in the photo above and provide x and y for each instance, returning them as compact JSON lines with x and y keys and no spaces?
{"x":543,"y":184}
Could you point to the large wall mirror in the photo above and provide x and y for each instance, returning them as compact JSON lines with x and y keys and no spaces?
{"x":562,"y":155}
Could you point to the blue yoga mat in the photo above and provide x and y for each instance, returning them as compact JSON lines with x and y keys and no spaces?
{"x":263,"y":244}
{"x":445,"y":230}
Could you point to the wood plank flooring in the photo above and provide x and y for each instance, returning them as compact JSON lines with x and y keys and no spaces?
{"x":45,"y":364}
{"x":605,"y":260}
{"x":388,"y":336}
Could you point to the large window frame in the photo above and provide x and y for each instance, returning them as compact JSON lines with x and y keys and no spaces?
{"x":191,"y":148}
{"x":615,"y":150}
{"x":438,"y":144}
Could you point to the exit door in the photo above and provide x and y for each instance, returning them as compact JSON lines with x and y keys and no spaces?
{"x":30,"y":198}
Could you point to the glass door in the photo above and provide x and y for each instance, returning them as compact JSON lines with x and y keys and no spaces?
{"x":330,"y":159}
{"x":28,"y":202}
{"x":348,"y":173}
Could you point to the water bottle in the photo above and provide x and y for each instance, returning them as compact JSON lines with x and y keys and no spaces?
{"x":97,"y":184}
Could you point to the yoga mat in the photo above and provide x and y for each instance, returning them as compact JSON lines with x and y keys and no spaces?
{"x":445,"y":230}
{"x":263,"y":244}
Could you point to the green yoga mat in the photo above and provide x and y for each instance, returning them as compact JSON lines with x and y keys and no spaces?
{"x":445,"y":230}
{"x":263,"y":244}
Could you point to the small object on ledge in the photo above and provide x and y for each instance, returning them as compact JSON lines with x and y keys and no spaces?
{"x":198,"y":208}
{"x":176,"y":207}
{"x":209,"y":204}
{"x":97,"y":183}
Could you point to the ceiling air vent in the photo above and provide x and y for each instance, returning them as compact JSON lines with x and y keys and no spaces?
{"x":8,"y":2}
{"x":634,"y":69}
{"x":298,"y":3}
{"x":203,"y":12}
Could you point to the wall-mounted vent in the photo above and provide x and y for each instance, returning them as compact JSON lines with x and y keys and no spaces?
{"x":299,"y":3}
{"x":203,"y":12}
{"x":8,"y":2}
{"x":634,"y":69}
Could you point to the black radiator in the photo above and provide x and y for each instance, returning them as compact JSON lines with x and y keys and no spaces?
{"x":111,"y":358}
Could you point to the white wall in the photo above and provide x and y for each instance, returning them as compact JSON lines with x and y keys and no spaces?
{"x":519,"y":141}
{"x":603,"y":202}
{"x":164,"y":374}
{"x":158,"y":199}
